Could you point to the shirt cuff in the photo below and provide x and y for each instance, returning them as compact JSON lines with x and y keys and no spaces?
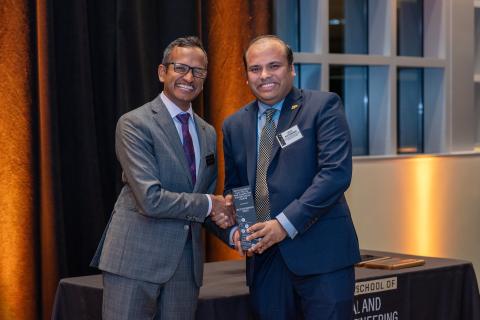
{"x":234,"y":228}
{"x":209,"y":205}
{"x":287,"y":225}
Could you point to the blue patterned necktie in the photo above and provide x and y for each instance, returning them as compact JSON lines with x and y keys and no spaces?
{"x":188,"y":145}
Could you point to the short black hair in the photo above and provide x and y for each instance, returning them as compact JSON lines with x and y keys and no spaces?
{"x":288,"y":49}
{"x":183,"y":42}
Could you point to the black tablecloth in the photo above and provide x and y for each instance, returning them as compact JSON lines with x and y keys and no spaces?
{"x":440,"y":289}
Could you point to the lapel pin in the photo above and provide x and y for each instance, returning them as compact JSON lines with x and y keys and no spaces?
{"x":295,"y":106}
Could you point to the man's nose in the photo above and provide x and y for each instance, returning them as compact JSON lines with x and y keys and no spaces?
{"x":189,"y":75}
{"x":264,"y":73}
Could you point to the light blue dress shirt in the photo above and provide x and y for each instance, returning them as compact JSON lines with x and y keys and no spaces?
{"x":261,"y":119}
{"x":174,"y":110}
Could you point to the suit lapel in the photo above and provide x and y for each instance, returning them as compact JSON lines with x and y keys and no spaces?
{"x":165,"y":123}
{"x":291,"y":106}
{"x":202,"y":141}
{"x":250,"y":140}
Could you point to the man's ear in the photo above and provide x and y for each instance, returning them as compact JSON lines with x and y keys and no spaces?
{"x":293,"y":70}
{"x":162,"y":70}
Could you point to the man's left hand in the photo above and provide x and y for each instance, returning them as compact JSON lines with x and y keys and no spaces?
{"x":271,"y":231}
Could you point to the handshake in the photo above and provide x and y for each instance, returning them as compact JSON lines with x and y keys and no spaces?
{"x":223,"y":212}
{"x":267,"y":233}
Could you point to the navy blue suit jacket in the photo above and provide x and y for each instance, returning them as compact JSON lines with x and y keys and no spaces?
{"x":306,"y":180}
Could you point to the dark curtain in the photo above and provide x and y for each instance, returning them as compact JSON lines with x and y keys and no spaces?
{"x":104,"y":63}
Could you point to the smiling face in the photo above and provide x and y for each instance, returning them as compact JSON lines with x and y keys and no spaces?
{"x":182,"y":88}
{"x":269,"y":75}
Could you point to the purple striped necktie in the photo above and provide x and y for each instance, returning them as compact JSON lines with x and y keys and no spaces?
{"x":188,"y":145}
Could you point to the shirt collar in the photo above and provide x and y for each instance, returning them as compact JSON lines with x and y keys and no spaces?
{"x":173,"y":109}
{"x":262,"y":107}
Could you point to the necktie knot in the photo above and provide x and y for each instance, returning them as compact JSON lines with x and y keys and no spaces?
{"x":183,"y":117}
{"x":269,"y":113}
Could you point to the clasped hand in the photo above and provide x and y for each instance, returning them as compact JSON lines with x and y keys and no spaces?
{"x":223,"y":213}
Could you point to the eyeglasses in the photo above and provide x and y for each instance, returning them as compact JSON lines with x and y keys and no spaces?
{"x":181,"y":68}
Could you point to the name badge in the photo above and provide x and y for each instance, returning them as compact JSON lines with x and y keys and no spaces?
{"x":289,"y":136}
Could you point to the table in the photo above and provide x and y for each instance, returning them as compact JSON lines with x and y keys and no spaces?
{"x":441,"y":289}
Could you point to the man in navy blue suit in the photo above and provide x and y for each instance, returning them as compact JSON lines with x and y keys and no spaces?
{"x":293,"y":148}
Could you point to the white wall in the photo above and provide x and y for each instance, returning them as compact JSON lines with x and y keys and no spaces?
{"x":425,"y":205}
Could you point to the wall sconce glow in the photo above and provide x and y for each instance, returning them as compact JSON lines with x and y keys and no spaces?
{"x":422,"y":205}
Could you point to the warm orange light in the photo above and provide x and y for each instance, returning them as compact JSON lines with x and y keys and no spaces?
{"x":423,"y":190}
{"x":230,"y":27}
{"x":17,"y":249}
{"x":423,"y":198}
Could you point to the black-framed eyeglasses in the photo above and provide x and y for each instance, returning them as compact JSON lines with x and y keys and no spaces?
{"x":181,"y":68}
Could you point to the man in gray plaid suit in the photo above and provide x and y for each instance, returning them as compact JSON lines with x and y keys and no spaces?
{"x":151,"y":250}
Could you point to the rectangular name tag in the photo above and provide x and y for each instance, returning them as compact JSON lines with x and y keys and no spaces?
{"x":289,"y":136}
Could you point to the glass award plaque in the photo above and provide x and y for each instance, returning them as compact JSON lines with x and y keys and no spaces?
{"x":245,"y":212}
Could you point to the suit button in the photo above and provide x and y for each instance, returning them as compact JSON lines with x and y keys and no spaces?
{"x":186,"y":227}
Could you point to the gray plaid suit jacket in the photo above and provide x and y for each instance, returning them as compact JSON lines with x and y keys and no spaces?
{"x":158,"y":204}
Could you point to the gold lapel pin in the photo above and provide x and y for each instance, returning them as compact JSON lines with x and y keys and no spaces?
{"x":295,"y":106}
